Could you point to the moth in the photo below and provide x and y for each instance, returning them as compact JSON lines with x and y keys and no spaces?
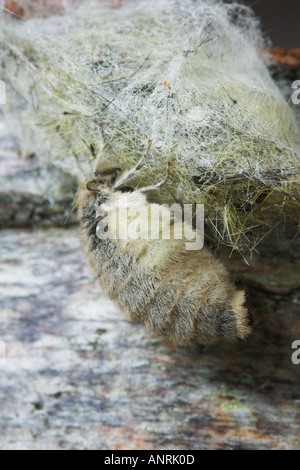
{"x":183,"y":294}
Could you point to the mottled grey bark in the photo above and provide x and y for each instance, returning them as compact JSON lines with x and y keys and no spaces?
{"x":26,"y":194}
{"x":78,"y":374}
{"x":19,"y":209}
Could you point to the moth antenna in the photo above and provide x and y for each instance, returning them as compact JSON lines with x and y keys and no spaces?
{"x":131,"y":173}
{"x":158,"y":185}
{"x":99,"y":158}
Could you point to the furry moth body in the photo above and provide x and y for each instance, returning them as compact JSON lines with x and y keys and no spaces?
{"x":186,"y":295}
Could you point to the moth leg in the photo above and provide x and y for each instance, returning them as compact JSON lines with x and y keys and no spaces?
{"x":158,"y":185}
{"x":131,"y":173}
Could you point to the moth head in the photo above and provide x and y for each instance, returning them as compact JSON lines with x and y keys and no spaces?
{"x":91,"y":195}
{"x":97,"y":185}
{"x":98,"y":191}
{"x":103,"y":180}
{"x":104,"y":183}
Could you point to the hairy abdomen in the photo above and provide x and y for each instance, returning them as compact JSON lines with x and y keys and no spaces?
{"x":186,"y":295}
{"x":189,"y":300}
